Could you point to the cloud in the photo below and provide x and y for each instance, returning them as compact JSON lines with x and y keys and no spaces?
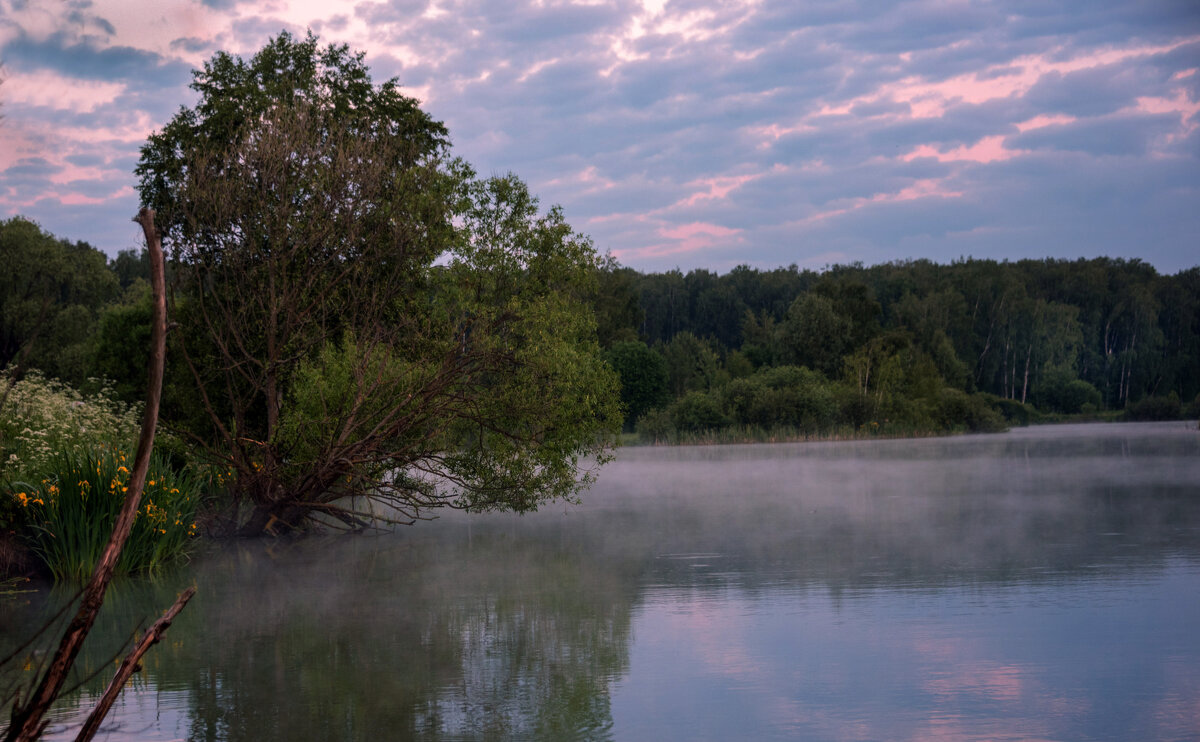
{"x":86,"y":61}
{"x":1125,"y":136}
{"x":697,"y":133}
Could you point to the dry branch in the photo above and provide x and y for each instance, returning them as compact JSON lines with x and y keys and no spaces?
{"x":130,"y":665}
{"x":27,"y":721}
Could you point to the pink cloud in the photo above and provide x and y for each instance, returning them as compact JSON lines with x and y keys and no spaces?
{"x":78,"y":199}
{"x":52,"y":90}
{"x":587,"y":180}
{"x":717,"y":188}
{"x":697,"y":230}
{"x":988,"y":149}
{"x":1041,"y":120}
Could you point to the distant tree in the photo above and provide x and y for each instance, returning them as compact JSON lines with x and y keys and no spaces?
{"x":129,"y":266}
{"x":51,"y":292}
{"x":692,"y":364}
{"x":365,"y":321}
{"x":814,"y":334}
{"x":644,"y":378}
{"x":618,"y":313}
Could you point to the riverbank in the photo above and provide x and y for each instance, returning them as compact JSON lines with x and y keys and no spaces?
{"x":871,"y":431}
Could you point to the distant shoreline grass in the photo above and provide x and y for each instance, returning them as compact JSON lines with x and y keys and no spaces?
{"x":746,"y":435}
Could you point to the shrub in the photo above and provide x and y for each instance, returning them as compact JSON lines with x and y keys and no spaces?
{"x":1013,"y":411}
{"x":1155,"y":408}
{"x":44,"y":418}
{"x":67,"y":516}
{"x":655,"y":427}
{"x":957,"y":408}
{"x":1061,"y":393}
{"x":697,"y":411}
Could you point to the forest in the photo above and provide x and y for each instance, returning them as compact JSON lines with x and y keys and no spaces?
{"x":908,"y":347}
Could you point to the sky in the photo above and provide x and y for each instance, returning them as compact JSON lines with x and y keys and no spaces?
{"x":687,"y":133}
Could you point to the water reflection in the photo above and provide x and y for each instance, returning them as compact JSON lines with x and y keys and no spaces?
{"x":1041,"y":584}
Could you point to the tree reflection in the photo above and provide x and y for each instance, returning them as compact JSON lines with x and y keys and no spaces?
{"x":459,"y":636}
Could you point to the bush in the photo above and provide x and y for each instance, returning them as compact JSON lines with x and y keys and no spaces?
{"x":67,"y":516}
{"x":44,"y":418}
{"x":1061,"y":393}
{"x":656,"y":427}
{"x":785,"y":396}
{"x":1013,"y":412}
{"x":1193,"y":409}
{"x":697,"y":411}
{"x":644,"y":378}
{"x":957,"y":409}
{"x":1155,"y":408}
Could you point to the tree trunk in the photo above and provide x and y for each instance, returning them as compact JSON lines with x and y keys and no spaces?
{"x":1025,"y":385}
{"x":27,"y":719}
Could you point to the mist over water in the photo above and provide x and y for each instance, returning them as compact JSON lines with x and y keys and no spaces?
{"x":1043,"y":583}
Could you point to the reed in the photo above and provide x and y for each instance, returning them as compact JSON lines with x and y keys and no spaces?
{"x":67,"y":516}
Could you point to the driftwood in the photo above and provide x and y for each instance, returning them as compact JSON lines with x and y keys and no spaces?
{"x":130,"y":665}
{"x":27,"y":721}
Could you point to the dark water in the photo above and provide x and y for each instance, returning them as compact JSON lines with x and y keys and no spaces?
{"x":1041,"y":584}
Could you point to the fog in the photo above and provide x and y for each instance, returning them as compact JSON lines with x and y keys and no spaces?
{"x":860,"y":590}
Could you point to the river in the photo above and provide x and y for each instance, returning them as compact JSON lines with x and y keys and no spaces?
{"x":1037,"y":584}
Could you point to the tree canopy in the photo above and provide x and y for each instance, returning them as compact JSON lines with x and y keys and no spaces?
{"x":373,"y":331}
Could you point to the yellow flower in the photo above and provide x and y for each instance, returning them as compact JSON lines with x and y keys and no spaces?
{"x":151,"y":483}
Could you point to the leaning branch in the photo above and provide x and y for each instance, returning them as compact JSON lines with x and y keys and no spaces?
{"x":28,"y":720}
{"x":130,"y":665}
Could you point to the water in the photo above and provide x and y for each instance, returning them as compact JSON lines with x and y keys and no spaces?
{"x":1040,"y":584}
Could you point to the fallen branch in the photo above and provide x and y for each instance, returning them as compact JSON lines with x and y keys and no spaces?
{"x":130,"y":665}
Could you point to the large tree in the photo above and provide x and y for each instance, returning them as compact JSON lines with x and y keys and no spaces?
{"x":367,"y":323}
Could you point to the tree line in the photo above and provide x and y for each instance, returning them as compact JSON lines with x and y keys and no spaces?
{"x":910,"y":345}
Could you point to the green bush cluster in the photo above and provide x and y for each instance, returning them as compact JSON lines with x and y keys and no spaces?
{"x":1155,"y":408}
{"x":791,"y":402}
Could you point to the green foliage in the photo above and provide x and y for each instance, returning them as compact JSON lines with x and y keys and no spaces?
{"x":785,"y":396}
{"x":50,"y":293}
{"x":1059,"y":392}
{"x":67,"y":516}
{"x":692,"y":364}
{"x":1013,"y":412}
{"x":957,"y":408}
{"x":697,"y":411}
{"x":236,"y":96}
{"x":656,"y":427}
{"x":130,"y":267}
{"x":360,"y":314}
{"x":643,"y":375}
{"x":120,"y":351}
{"x":44,"y":419}
{"x":615,"y":303}
{"x":814,"y":334}
{"x":1155,"y":408}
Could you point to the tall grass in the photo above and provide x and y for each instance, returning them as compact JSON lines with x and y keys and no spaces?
{"x":67,"y":517}
{"x":789,"y":434}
